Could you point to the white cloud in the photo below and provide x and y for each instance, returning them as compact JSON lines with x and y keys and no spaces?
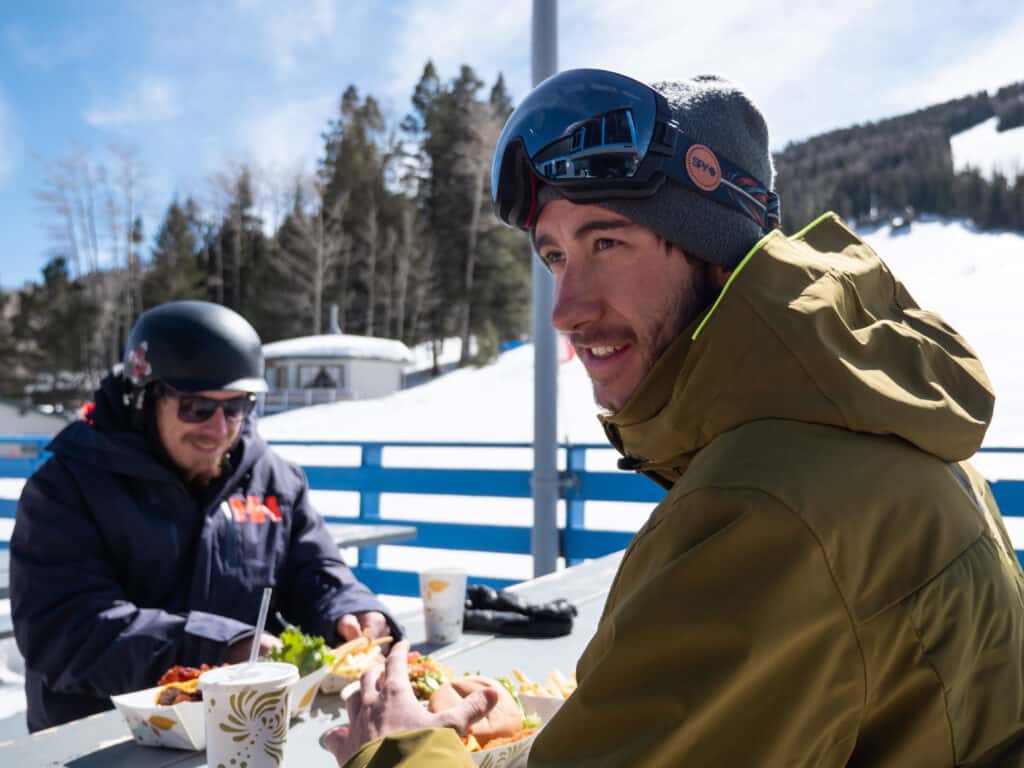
{"x":811,"y":68}
{"x":289,"y":28}
{"x":9,"y":144}
{"x":782,"y":59}
{"x":152,"y":100}
{"x":668,"y":40}
{"x":975,"y":65}
{"x":487,"y":36}
{"x":286,"y":139}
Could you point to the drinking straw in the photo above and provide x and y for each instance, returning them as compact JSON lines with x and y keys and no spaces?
{"x":260,"y":623}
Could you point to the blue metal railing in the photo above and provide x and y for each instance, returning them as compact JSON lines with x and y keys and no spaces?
{"x":370,"y":478}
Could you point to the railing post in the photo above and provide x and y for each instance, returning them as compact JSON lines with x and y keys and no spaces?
{"x":369,"y":501}
{"x":575,"y":462}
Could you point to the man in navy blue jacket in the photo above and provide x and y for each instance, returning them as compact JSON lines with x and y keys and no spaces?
{"x":146,"y":539}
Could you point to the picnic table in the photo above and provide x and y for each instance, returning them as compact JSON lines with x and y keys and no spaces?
{"x":343,"y":534}
{"x":369,"y":534}
{"x":102,"y":740}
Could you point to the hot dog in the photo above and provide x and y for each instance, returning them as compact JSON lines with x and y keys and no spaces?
{"x":506,"y":719}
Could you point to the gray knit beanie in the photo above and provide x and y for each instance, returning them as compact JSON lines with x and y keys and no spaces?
{"x":713,"y":111}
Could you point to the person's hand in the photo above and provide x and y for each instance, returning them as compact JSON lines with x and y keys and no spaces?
{"x":351,"y":625}
{"x":239,"y":650}
{"x":385,"y":704}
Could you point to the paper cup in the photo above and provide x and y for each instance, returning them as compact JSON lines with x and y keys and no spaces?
{"x":444,"y":598}
{"x":247,"y":713}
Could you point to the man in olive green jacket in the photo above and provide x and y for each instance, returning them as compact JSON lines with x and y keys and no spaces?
{"x":827,"y":581}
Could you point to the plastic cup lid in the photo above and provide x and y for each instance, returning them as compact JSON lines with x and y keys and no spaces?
{"x":260,"y":673}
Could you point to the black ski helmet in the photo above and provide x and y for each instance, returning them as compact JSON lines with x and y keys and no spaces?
{"x":194,"y":346}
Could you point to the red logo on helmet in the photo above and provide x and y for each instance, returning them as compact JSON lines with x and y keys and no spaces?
{"x":138,"y":365}
{"x":702,"y":168}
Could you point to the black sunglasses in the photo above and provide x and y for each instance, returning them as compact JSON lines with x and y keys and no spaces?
{"x":195,"y":409}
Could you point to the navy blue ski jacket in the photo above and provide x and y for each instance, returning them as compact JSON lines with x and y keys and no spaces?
{"x":119,"y":572}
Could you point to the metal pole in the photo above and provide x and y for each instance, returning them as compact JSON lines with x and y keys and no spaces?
{"x":544,"y":538}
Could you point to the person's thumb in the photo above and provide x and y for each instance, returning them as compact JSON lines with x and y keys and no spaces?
{"x":335,"y":741}
{"x":349,"y":629}
{"x":470,"y":709}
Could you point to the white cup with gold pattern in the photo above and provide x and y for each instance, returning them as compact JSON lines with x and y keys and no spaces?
{"x":444,"y":598}
{"x":247,"y":714}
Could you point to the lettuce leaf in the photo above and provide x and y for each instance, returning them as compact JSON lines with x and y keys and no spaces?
{"x":307,"y":652}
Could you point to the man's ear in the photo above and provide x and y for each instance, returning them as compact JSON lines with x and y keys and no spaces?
{"x":719,"y":276}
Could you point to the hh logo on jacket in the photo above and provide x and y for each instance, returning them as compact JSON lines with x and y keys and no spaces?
{"x":252,"y":509}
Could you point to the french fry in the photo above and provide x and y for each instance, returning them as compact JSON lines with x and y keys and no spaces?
{"x":558,"y":686}
{"x":353,"y":658}
{"x":352,"y":646}
{"x":561,"y":684}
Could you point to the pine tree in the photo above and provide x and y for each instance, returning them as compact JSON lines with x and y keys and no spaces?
{"x":456,"y":130}
{"x":174,"y":270}
{"x":353,"y":167}
{"x":52,"y":329}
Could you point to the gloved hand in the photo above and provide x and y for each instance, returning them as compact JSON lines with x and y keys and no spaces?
{"x":506,"y":613}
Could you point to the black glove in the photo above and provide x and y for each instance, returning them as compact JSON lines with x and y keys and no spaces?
{"x":506,"y":613}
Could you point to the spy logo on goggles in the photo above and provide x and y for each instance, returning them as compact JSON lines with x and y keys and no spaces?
{"x":702,"y":168}
{"x":597,"y":135}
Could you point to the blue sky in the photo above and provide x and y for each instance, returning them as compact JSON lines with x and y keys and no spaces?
{"x":198,"y":87}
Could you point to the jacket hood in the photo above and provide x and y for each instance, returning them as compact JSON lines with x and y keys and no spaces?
{"x":812,"y":328}
{"x":108,"y":440}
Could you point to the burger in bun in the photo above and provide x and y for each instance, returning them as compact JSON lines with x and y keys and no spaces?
{"x":502,"y":722}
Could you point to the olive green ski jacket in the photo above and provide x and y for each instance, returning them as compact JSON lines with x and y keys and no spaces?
{"x":827,"y":581}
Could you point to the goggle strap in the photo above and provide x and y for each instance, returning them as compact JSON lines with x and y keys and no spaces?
{"x":737,"y":189}
{"x":533,"y":199}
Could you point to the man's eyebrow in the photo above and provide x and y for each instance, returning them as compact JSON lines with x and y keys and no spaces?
{"x":595,"y":225}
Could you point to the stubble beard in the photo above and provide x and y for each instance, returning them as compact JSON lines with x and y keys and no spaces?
{"x":688,"y":304}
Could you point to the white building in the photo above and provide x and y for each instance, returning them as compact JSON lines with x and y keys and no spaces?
{"x":333,"y":366}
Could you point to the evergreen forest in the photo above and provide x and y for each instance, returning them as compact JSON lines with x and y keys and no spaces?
{"x":395,"y":228}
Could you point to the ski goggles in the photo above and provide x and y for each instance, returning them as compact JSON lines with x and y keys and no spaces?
{"x":595,"y":135}
{"x":195,"y":409}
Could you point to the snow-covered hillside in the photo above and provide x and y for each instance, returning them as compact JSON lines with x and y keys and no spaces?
{"x":987,"y":150}
{"x":973,"y":279}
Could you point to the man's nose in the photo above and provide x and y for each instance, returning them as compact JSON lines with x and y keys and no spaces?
{"x":577,"y":299}
{"x":217,"y":424}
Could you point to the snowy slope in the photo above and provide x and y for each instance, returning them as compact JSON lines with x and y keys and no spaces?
{"x":974,"y":280}
{"x":491,"y":404}
{"x":987,"y":150}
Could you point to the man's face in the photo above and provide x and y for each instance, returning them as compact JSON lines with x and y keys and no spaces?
{"x":621,"y":294}
{"x":197,"y":449}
